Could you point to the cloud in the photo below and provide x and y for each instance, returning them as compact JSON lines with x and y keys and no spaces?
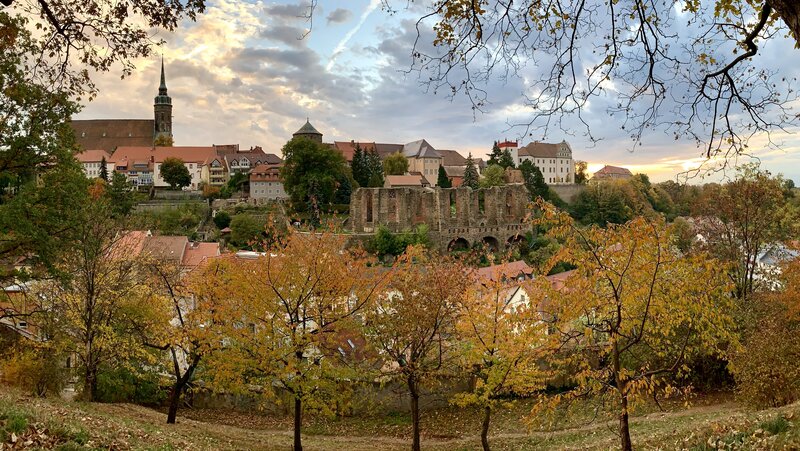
{"x":342,"y":45}
{"x":339,"y":15}
{"x":291,"y":36}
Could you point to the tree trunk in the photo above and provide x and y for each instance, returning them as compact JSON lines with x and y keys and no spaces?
{"x":789,"y":11}
{"x":89,"y":384}
{"x":487,"y":413}
{"x":414,"y":392}
{"x":624,"y":430}
{"x":298,"y":419}
{"x":174,"y":399}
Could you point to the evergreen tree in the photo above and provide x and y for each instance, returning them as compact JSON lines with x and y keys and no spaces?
{"x":506,"y":160}
{"x":120,"y":195}
{"x":103,"y":169}
{"x":375,"y":169}
{"x":534,"y":180}
{"x":471,"y":174}
{"x":496,"y":155}
{"x":359,"y":166}
{"x":443,"y":181}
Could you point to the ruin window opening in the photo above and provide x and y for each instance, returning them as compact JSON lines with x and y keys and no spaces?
{"x":369,"y":207}
{"x":481,"y":202}
{"x":453,"y":208}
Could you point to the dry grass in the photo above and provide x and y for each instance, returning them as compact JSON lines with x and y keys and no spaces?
{"x":71,"y":425}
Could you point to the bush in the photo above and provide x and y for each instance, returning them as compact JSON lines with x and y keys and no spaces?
{"x":767,"y":366}
{"x":122,"y":385}
{"x":776,"y":425}
{"x":388,"y":243}
{"x":245,"y":229}
{"x":222,"y":219}
{"x":38,"y":371}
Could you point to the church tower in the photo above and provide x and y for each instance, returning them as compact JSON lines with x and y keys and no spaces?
{"x":162,"y":107}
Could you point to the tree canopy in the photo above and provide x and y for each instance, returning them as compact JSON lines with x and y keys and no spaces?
{"x":175,"y":172}
{"x":689,"y":68}
{"x":395,"y":164}
{"x":311,"y":174}
{"x":471,"y":177}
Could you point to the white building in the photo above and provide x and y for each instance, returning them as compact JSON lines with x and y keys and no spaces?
{"x":92,"y":161}
{"x":554,"y":160}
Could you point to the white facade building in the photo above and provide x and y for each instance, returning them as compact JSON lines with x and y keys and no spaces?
{"x":554,"y":160}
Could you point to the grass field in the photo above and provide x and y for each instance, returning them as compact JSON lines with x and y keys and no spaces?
{"x":710,"y":423}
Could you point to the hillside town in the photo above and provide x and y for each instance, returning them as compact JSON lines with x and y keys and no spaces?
{"x":320,"y":291}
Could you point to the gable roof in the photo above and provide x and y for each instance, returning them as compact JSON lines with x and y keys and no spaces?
{"x":197,"y":253}
{"x":452,"y":158}
{"x":109,"y":134}
{"x":509,"y":270}
{"x":420,"y":149}
{"x":613,"y":170}
{"x":386,"y":149}
{"x":169,"y":248}
{"x":348,"y":148}
{"x":93,"y":156}
{"x":455,"y":171}
{"x":539,"y":149}
{"x":159,"y":154}
{"x":403,"y":180}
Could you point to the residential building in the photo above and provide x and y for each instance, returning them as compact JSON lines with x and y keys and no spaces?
{"x":266,"y":182}
{"x":554,"y":160}
{"x":92,"y":162}
{"x":215,"y":171}
{"x":410,"y":180}
{"x":142,"y":164}
{"x":244,"y":160}
{"x":423,"y":158}
{"x":109,"y":134}
{"x":612,"y":172}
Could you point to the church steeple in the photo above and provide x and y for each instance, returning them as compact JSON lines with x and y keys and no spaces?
{"x":162,"y":108}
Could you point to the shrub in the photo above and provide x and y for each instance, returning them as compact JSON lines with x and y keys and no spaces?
{"x":222,"y":219}
{"x":767,"y":366}
{"x":776,"y":425}
{"x":388,"y":243}
{"x":15,"y":422}
{"x":122,"y":385}
{"x":38,"y":371}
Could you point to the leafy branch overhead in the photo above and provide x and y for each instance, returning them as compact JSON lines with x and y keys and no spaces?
{"x":687,"y":68}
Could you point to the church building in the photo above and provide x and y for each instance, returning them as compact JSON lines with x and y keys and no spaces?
{"x":108,"y":134}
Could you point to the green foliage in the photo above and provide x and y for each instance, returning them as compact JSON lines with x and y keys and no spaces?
{"x":375,"y":169}
{"x":15,"y":422}
{"x":602,"y":203}
{"x":103,"y":169}
{"x":36,"y":370}
{"x":175,"y":173}
{"x":395,"y":164}
{"x":119,"y":384}
{"x":581,"y":176}
{"x":506,"y":160}
{"x":237,"y":182}
{"x":471,"y":178}
{"x":442,"y":181}
{"x":344,"y":188}
{"x":181,"y":220}
{"x":777,"y":425}
{"x":367,"y":168}
{"x":494,"y":175}
{"x":246,"y":229}
{"x":121,"y":195}
{"x":311,"y":174}
{"x":164,"y":141}
{"x":222,"y":219}
{"x":534,"y":180}
{"x":495,"y":155}
{"x":387,"y":243}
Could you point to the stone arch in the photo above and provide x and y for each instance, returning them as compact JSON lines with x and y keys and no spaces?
{"x":491,"y":242}
{"x":458,"y":244}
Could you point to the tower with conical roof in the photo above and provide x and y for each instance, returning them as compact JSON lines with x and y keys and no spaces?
{"x":162,"y":107}
{"x":308,"y":131}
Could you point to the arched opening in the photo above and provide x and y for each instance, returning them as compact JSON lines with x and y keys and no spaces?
{"x":458,"y":244}
{"x":492,"y":243}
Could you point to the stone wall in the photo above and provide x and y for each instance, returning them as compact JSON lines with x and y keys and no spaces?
{"x":454,"y":216}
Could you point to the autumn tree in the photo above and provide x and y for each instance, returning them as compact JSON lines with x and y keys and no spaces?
{"x":175,"y":173}
{"x":631,"y":314}
{"x":413,"y":323}
{"x":500,"y":340}
{"x":295,"y":301}
{"x":395,"y":164}
{"x":197,"y":307}
{"x":164,"y":141}
{"x":714,"y":90}
{"x":741,"y":219}
{"x":76,"y":38}
{"x":471,"y":177}
{"x":581,"y":172}
{"x":103,"y":297}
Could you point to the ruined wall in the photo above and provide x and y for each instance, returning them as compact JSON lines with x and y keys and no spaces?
{"x":493,"y":215}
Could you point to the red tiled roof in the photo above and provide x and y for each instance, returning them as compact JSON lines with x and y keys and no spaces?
{"x":348,"y":149}
{"x":92,"y":156}
{"x":609,"y":170}
{"x":159,"y":154}
{"x":507,"y":143}
{"x":109,"y":134}
{"x":196,"y":253}
{"x":508,"y":270}
{"x":403,"y":180}
{"x":265,"y":173}
{"x":557,"y":280}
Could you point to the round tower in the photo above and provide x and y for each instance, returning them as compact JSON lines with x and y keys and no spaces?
{"x":308,"y":131}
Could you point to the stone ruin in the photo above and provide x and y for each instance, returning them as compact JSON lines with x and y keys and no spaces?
{"x":456,"y":217}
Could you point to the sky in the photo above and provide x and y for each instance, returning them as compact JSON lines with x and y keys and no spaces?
{"x":248,"y":73}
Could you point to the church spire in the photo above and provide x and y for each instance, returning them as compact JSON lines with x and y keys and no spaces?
{"x":162,"y":89}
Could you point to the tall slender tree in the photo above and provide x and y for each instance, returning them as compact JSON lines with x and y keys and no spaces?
{"x":495,"y":155}
{"x":471,"y":177}
{"x":506,"y":160}
{"x":442,"y":180}
{"x":104,"y":169}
